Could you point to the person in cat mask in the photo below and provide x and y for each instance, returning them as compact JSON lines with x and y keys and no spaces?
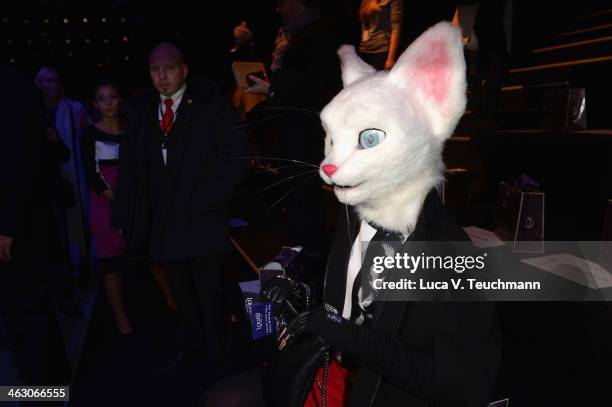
{"x":180,"y":162}
{"x":353,"y":345}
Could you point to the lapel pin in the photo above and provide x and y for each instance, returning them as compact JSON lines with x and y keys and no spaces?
{"x":189,"y":101}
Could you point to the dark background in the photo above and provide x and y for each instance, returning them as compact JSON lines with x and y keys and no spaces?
{"x":556,"y":354}
{"x":35,"y":32}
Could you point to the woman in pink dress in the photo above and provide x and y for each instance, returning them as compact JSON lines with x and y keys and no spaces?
{"x":100,"y":153}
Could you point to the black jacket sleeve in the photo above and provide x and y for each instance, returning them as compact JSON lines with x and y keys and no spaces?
{"x":20,"y":149}
{"x":88,"y":155}
{"x":130,"y":179}
{"x":57,"y":151}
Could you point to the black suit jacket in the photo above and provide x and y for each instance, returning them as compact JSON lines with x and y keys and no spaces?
{"x":427,"y":353}
{"x":179,"y":211}
{"x":24,"y":195}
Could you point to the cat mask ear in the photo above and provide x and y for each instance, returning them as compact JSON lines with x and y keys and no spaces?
{"x":432,"y":72}
{"x":353,"y":67}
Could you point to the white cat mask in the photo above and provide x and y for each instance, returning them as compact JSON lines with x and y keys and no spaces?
{"x":386,"y":130}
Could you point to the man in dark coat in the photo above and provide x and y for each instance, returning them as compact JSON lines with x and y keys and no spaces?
{"x":180,"y":164}
{"x":27,"y":185}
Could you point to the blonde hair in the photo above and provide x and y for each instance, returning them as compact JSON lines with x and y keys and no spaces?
{"x":42,"y":72}
{"x":367,"y":8}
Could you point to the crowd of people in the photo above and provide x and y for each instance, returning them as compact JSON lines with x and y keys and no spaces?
{"x":85,"y":185}
{"x":84,"y":189}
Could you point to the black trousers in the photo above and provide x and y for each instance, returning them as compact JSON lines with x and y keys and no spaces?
{"x":32,"y":325}
{"x":26,"y":308}
{"x":241,"y":390}
{"x":197,"y":286}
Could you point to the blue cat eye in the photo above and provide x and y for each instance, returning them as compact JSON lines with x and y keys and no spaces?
{"x":369,"y":138}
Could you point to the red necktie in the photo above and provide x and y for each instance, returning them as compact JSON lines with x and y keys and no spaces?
{"x":168,"y":117}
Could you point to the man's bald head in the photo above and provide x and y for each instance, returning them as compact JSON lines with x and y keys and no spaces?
{"x":166,"y":51}
{"x":167,"y":68}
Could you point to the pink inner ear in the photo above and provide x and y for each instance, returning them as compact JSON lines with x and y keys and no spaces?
{"x":432,"y":71}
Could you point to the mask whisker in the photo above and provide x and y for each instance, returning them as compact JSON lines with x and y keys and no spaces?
{"x":280,"y":168}
{"x":283,"y":181}
{"x":292,"y":190}
{"x":348,"y":222}
{"x":265,"y":119}
{"x":280,"y":108}
{"x":275,"y":159}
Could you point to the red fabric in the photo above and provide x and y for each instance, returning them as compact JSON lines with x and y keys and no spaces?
{"x":168,"y":117}
{"x":338,"y":379}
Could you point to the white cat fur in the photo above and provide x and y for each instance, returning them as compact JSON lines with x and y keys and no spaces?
{"x":417,"y":104}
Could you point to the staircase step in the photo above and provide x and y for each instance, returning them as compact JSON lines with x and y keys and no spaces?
{"x":567,"y":51}
{"x":558,"y":72}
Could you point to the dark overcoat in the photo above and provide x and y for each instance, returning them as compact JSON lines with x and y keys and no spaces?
{"x":179,"y":210}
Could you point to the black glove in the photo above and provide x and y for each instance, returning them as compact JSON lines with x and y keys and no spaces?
{"x":289,"y":297}
{"x":325,"y":322}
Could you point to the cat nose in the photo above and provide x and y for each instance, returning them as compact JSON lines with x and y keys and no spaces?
{"x":329,"y":169}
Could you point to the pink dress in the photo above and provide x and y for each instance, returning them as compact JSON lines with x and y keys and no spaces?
{"x":100,"y":152}
{"x":107,"y":240}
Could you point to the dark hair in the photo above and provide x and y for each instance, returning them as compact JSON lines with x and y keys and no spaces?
{"x":93,"y":112}
{"x":106,"y":82}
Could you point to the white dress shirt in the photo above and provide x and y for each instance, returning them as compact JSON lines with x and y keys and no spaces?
{"x":176,"y":101}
